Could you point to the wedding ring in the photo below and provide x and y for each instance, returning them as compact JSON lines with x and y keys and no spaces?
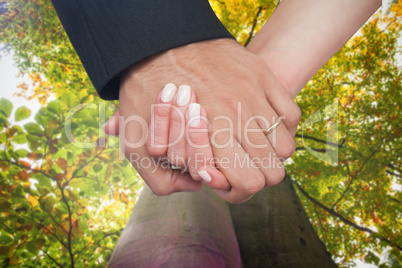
{"x":272,"y":128}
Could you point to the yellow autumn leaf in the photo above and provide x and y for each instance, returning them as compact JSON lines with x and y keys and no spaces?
{"x":108,"y":172}
{"x":70,"y":171}
{"x":123,"y":198}
{"x":77,"y":232}
{"x":104,"y":157}
{"x":71,"y":195}
{"x":48,"y":159}
{"x":32,"y":200}
{"x":116,"y":195}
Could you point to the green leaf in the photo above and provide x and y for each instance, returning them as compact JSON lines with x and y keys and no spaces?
{"x":97,"y":167}
{"x":21,"y":152}
{"x":31,"y":247}
{"x":49,"y":203}
{"x":61,"y":208}
{"x":3,"y":121}
{"x":54,"y":107}
{"x":6,"y":106}
{"x":20,"y":138}
{"x":5,"y":240}
{"x":371,"y":258}
{"x":22,"y":113}
{"x":90,"y":122}
{"x":39,"y":243}
{"x":42,"y":180}
{"x":33,"y":128}
{"x":41,"y":117}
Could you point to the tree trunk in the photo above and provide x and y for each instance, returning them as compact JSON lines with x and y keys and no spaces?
{"x":179,"y":230}
{"x":196,"y":230}
{"x":273,"y":230}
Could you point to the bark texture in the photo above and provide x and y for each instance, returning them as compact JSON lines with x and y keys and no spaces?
{"x":273,"y":230}
{"x":196,"y":230}
{"x":179,"y":230}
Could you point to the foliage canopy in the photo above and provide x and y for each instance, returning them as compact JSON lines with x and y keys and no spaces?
{"x":61,"y":204}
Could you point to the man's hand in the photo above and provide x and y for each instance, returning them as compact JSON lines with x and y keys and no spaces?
{"x":242,"y":98}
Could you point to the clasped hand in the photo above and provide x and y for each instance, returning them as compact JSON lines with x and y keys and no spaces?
{"x":203,"y":108}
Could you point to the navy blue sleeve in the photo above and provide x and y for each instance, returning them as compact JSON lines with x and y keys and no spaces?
{"x":111,"y":35}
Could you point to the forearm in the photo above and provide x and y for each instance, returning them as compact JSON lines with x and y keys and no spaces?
{"x":302,"y":35}
{"x":110,"y":36}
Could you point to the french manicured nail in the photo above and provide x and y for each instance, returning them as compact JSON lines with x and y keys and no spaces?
{"x":194,"y":110}
{"x":183,"y":97}
{"x":205,"y":176}
{"x":168,"y":92}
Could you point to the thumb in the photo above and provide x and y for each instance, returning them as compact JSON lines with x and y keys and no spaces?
{"x":111,"y":127}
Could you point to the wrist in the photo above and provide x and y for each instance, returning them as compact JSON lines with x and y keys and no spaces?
{"x":175,"y":66}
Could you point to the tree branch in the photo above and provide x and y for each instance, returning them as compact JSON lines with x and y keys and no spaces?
{"x":11,"y":230}
{"x":346,"y":190}
{"x":40,"y":224}
{"x":354,"y":176}
{"x":386,"y":27}
{"x":84,"y":165}
{"x":69,"y":222}
{"x":68,"y":207}
{"x":393,"y":173}
{"x":314,"y":149}
{"x":97,"y":243}
{"x":50,"y":215}
{"x":60,"y":62}
{"x":394,"y":168}
{"x":319,"y":140}
{"x":395,"y":200}
{"x":250,"y":36}
{"x":50,"y":257}
{"x":319,"y":217}
{"x":343,"y":219}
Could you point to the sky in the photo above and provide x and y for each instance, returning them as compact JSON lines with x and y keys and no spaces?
{"x":8,"y":86}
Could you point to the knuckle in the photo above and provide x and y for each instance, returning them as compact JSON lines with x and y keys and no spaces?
{"x":230,"y":104}
{"x":287,"y":149}
{"x":235,"y":200}
{"x":177,"y":118}
{"x":161,"y":191}
{"x":162,"y":111}
{"x":194,"y":174}
{"x":198,"y":138}
{"x":253,"y":185}
{"x":277,"y":175}
{"x":176,"y":158}
{"x":295,"y":115}
{"x":155,"y":149}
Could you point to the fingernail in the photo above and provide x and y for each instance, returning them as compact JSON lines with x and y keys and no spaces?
{"x":194,"y":110}
{"x":183,"y":97}
{"x":110,"y":121}
{"x":205,"y":176}
{"x":103,"y":128}
{"x":168,"y":92}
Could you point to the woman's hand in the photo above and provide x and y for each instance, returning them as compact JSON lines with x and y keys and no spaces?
{"x":236,"y":88}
